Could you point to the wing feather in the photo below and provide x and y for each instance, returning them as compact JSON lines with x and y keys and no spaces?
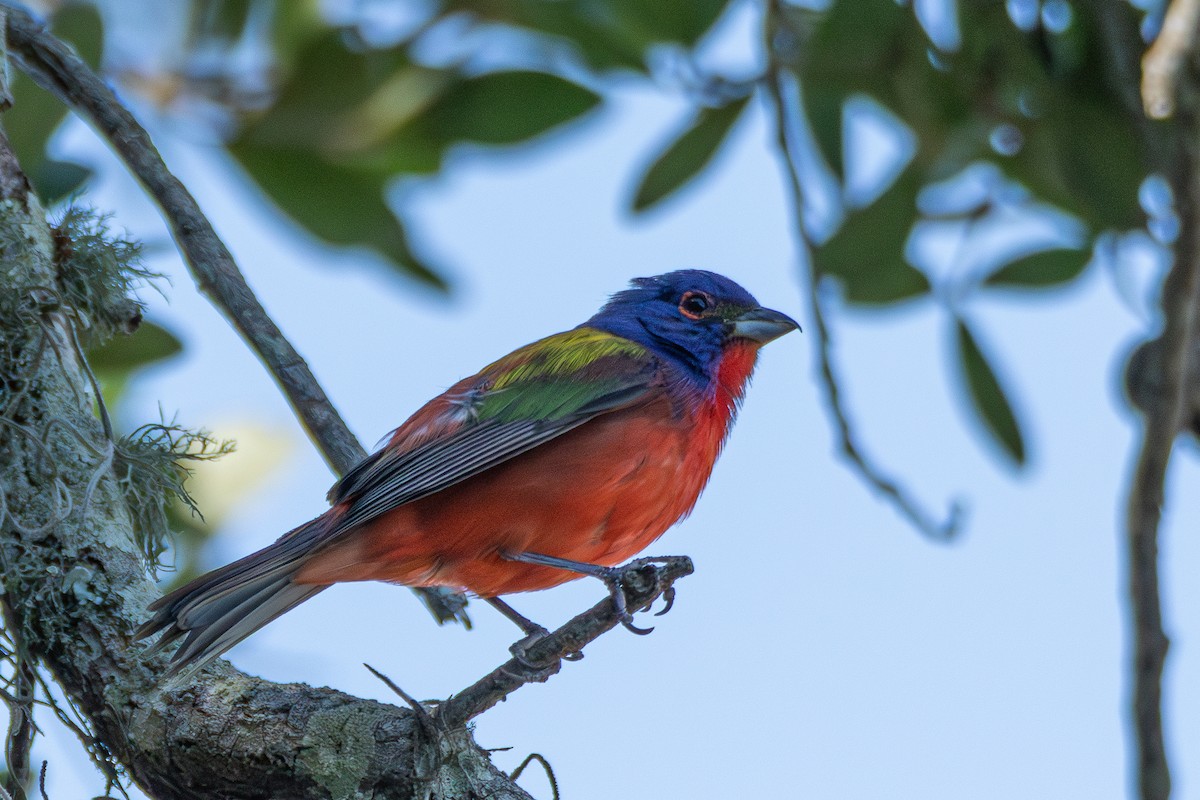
{"x":520,"y":402}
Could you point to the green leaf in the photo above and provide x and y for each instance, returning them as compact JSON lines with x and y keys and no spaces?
{"x":608,"y":34}
{"x":588,"y":28}
{"x":867,"y":252}
{"x":348,"y":121}
{"x":1047,"y":268}
{"x":81,"y":26}
{"x":681,"y":21}
{"x":148,"y":344}
{"x":504,"y":108}
{"x":115,"y":361}
{"x":823,"y":106}
{"x":688,"y":155}
{"x":333,"y":92}
{"x":988,"y":397}
{"x":335,"y":203}
{"x":857,"y":37}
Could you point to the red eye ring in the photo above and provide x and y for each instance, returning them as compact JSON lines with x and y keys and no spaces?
{"x":693,"y":304}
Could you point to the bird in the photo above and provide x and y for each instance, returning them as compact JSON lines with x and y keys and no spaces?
{"x":562,"y":459}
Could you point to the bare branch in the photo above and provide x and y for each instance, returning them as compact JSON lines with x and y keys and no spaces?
{"x":1165,"y":414}
{"x":1162,"y":389}
{"x":6,"y":98}
{"x":867,"y":470}
{"x":57,"y":69}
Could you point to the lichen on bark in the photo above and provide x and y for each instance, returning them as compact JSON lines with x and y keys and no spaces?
{"x":75,"y":584}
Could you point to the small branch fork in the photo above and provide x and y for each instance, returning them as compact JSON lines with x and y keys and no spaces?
{"x":58,"y":70}
{"x":895,"y":493}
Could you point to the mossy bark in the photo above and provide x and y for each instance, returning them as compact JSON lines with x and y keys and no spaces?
{"x":76,"y":586}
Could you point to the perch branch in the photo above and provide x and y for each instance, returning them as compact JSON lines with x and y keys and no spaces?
{"x":654,"y":577}
{"x":57,"y":69}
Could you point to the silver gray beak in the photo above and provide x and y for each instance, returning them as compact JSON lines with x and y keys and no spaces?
{"x":763,"y":325}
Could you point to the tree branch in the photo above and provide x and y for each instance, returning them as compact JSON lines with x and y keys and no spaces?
{"x":57,"y":69}
{"x":1165,"y":415}
{"x":650,"y":578}
{"x":1171,"y":148}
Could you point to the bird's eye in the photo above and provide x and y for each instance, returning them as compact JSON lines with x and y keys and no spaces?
{"x":693,"y":305}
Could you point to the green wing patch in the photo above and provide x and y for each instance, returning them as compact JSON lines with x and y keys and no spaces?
{"x":563,"y":375}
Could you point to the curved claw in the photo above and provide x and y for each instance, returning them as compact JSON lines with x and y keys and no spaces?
{"x":629,"y":626}
{"x":669,"y":599}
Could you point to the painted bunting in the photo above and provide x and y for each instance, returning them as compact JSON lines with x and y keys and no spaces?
{"x":564,"y":458}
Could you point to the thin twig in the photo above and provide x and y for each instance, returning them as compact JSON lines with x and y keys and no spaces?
{"x":419,"y":710}
{"x":58,"y":70}
{"x":870,"y":473}
{"x":6,"y":98}
{"x":541,"y":759}
{"x":544,"y":657}
{"x":21,"y":727}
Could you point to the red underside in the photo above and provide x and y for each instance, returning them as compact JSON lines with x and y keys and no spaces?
{"x":599,"y":494}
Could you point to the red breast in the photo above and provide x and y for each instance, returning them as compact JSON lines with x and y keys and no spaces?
{"x":599,"y":494}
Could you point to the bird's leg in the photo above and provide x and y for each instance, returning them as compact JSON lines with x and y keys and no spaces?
{"x":612,"y":577}
{"x":528,"y":626}
{"x":533,"y":633}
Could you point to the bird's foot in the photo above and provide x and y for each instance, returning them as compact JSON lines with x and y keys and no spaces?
{"x":643,"y":576}
{"x":639,"y":575}
{"x":520,"y":649}
{"x":534,"y":633}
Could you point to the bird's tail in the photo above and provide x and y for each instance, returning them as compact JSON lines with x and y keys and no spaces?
{"x":220,"y":608}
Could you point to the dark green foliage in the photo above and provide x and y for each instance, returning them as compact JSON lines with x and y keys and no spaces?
{"x":349,"y":119}
{"x":688,"y":155}
{"x":1033,"y":102}
{"x":503,"y":108}
{"x":1037,"y":103}
{"x":988,"y":397}
{"x":150,"y":343}
{"x":116,"y":361}
{"x":1041,"y":270}
{"x":606,"y":34}
{"x":872,"y":275}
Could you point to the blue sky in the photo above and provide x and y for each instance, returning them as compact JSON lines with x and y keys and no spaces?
{"x":822,"y":649}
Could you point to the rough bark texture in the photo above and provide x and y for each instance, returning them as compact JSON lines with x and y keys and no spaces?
{"x":76,"y":586}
